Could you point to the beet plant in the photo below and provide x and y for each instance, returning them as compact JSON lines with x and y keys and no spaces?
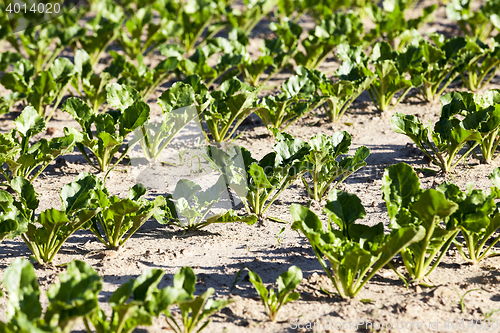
{"x":474,"y":23}
{"x":437,"y":70}
{"x":329,"y":33}
{"x":482,"y":113}
{"x":34,"y":41}
{"x":356,"y":252}
{"x":73,"y":297}
{"x":477,"y":217}
{"x":248,"y":17}
{"x":260,"y":183}
{"x":43,"y":90}
{"x":390,"y":75}
{"x":143,"y":79}
{"x":476,"y":62}
{"x":134,"y":303}
{"x":107,"y":140}
{"x":326,"y":166}
{"x":191,"y":208}
{"x":141,"y":21}
{"x":228,"y":54}
{"x":222,"y":110}
{"x":47,"y":233}
{"x":195,"y":310}
{"x":118,"y":219}
{"x":19,"y":157}
{"x":338,"y":94}
{"x":296,"y":101}
{"x":192,"y":20}
{"x":275,"y":55}
{"x":178,"y":109}
{"x":103,"y":29}
{"x":230,"y":105}
{"x":91,"y":86}
{"x":272,"y":300}
{"x":429,"y":210}
{"x":443,"y":143}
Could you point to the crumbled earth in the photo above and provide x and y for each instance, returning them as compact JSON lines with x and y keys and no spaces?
{"x":218,"y":252}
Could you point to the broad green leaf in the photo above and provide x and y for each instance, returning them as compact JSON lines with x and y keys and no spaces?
{"x":185,"y":279}
{"x":26,"y":192}
{"x":22,"y":288}
{"x":121,"y":96}
{"x":344,"y":208}
{"x":29,"y":122}
{"x":400,"y":188}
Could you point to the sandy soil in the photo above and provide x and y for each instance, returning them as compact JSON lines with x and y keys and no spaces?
{"x":218,"y":252}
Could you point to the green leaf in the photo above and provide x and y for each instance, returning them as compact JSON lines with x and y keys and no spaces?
{"x":75,"y":296}
{"x":311,"y":220}
{"x":80,"y":111}
{"x":259,"y":286}
{"x":29,"y":122}
{"x":121,"y":96}
{"x":22,"y":288}
{"x":289,"y":280}
{"x":185,"y":188}
{"x":26,"y":192}
{"x":344,"y":208}
{"x":78,"y":194}
{"x":178,"y":96}
{"x":432,"y":207}
{"x":185,"y":279}
{"x":137,"y":191}
{"x":133,"y":117}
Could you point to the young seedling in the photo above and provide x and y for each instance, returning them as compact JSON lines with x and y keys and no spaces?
{"x":195,"y":310}
{"x":19,"y":158}
{"x":429,"y":210}
{"x":443,"y":143}
{"x":277,"y":236}
{"x":356,"y":252}
{"x":105,"y":142}
{"x":325,"y":166}
{"x":272,"y":300}
{"x":74,"y":297}
{"x":462,"y":298}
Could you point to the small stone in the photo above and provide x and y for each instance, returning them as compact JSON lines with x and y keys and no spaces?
{"x":51,"y":130}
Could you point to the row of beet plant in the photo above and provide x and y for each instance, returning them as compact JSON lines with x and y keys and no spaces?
{"x":86,"y":203}
{"x":423,"y":225}
{"x":430,"y":67}
{"x":404,"y":60}
{"x":75,"y":299}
